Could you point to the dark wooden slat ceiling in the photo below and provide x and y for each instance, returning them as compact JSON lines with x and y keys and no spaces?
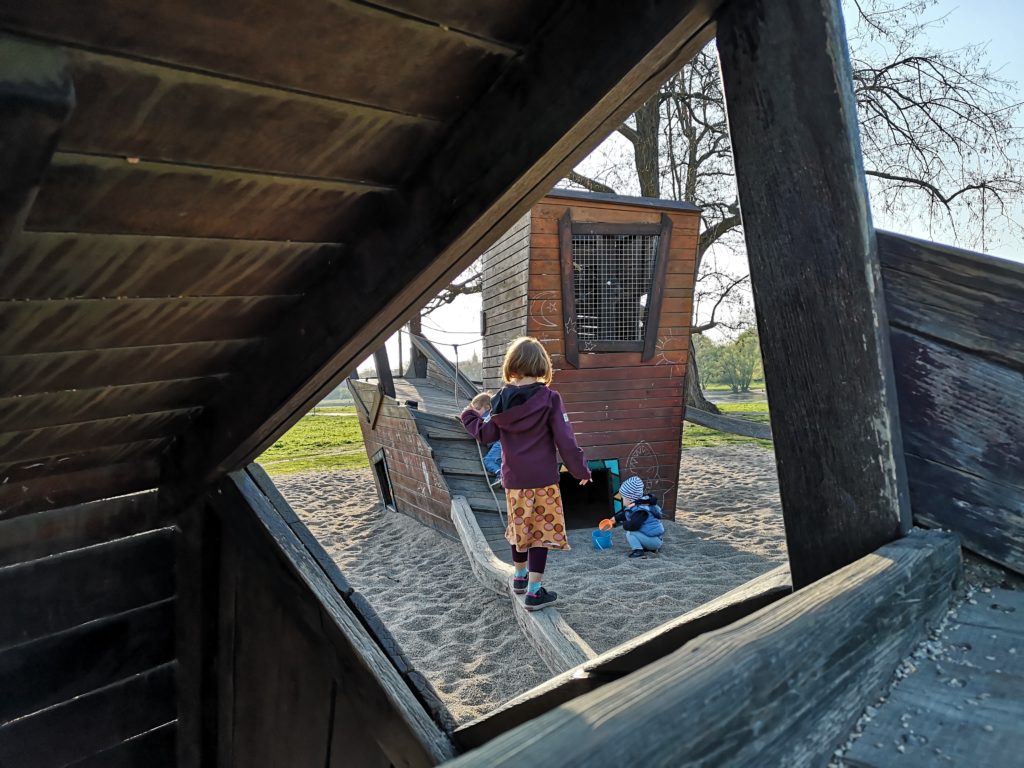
{"x":237,"y":179}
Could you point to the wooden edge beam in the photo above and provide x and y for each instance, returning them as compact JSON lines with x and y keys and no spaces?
{"x":552,"y":638}
{"x":627,"y":657}
{"x":37,"y":95}
{"x":406,"y":732}
{"x":728,"y":424}
{"x":780,"y":687}
{"x":63,"y":490}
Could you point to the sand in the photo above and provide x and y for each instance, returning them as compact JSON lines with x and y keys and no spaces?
{"x":462,"y":637}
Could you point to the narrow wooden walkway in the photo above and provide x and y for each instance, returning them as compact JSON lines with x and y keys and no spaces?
{"x":457,"y":456}
{"x":963,"y":704}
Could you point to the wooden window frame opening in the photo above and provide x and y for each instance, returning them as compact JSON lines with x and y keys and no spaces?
{"x":383,"y":476}
{"x":566,"y":229}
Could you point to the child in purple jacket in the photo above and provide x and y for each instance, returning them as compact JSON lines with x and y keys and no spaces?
{"x":530,"y":421}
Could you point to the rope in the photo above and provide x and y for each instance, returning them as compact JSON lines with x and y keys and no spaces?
{"x":487,"y":479}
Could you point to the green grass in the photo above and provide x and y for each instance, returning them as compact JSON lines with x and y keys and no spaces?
{"x":335,"y":409}
{"x":701,"y":437}
{"x":755,"y":384}
{"x":317,"y":444}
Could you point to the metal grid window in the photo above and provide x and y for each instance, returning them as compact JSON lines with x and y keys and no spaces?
{"x":612,"y":277}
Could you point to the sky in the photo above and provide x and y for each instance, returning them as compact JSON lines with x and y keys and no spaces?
{"x":997,"y":23}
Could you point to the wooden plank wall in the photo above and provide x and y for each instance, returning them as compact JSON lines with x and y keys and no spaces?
{"x":300,"y":680}
{"x":506,"y":278}
{"x":620,"y":407}
{"x":418,"y":487}
{"x":957,"y":333}
{"x":88,"y":604}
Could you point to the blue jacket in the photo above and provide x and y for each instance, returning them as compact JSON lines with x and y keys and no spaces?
{"x":643,"y":517}
{"x":492,"y":459}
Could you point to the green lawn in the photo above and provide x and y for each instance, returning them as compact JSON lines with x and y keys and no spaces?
{"x":702,"y":437}
{"x":317,"y":443}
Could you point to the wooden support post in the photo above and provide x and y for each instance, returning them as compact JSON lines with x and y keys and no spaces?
{"x":816,"y":280}
{"x":36,"y":97}
{"x":383,"y":365}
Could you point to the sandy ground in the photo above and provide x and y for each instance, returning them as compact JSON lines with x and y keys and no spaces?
{"x":463,"y":638}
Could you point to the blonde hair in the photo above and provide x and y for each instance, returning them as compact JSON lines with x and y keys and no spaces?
{"x":526,"y":357}
{"x":481,"y":401}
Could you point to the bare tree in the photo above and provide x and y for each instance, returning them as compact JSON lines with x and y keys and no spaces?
{"x":937,"y":128}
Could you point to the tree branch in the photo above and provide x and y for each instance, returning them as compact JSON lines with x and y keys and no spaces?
{"x":587,"y":183}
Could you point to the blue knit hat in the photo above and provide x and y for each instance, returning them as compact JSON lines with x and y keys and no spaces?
{"x":632,"y":488}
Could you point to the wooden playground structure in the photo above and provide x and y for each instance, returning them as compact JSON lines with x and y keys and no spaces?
{"x":210,"y":213}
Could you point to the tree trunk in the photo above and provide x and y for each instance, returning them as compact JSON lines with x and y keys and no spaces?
{"x":417,"y":360}
{"x":694,"y":394}
{"x":645,"y":148}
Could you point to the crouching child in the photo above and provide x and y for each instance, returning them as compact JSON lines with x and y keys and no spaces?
{"x":492,"y":459}
{"x":640,"y":518}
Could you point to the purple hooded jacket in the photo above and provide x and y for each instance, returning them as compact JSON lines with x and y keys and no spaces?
{"x":529,"y":433}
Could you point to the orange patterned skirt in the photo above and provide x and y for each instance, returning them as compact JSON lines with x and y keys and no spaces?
{"x":535,"y":518}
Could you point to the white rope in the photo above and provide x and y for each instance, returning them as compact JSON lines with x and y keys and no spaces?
{"x":487,"y":479}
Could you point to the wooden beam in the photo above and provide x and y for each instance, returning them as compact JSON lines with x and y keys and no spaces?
{"x":555,"y":642}
{"x":60,"y":490}
{"x":36,"y":98}
{"x":628,"y":657}
{"x":816,"y":280}
{"x":384,"y":378}
{"x":730,"y":424}
{"x":546,"y":111}
{"x":781,"y":687}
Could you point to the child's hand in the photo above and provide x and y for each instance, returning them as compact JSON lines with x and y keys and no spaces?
{"x":584,"y":482}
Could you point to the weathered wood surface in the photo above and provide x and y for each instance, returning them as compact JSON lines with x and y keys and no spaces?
{"x":504,"y":296}
{"x":278,"y":46}
{"x":781,"y":687}
{"x":455,"y":210}
{"x":48,"y":265}
{"x":816,"y":280}
{"x":331,"y":652}
{"x":29,"y":537}
{"x":87,"y":725}
{"x":37,"y":95}
{"x":53,"y":594}
{"x":555,"y":642}
{"x":957,"y":320}
{"x":962,"y":703}
{"x":384,"y":378}
{"x":62,"y":489}
{"x":729,"y":424}
{"x":627,"y":658}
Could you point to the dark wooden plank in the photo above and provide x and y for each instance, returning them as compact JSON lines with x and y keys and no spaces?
{"x":59,"y":265}
{"x":37,"y":95}
{"x":387,"y":382}
{"x":967,"y":299}
{"x":626,"y":658}
{"x":567,"y":283}
{"x":657,"y":293}
{"x":156,"y":748}
{"x":466,"y":196}
{"x":19,"y":446}
{"x":816,"y":280}
{"x":781,"y":687}
{"x":133,"y":109}
{"x":60,"y":667}
{"x":107,"y":195}
{"x":729,"y":424}
{"x":58,"y":530}
{"x":34,"y":327}
{"x":56,"y":593}
{"x":435,"y":72}
{"x":61,"y":490}
{"x":75,"y":461}
{"x":511,"y":23}
{"x":962,"y":423}
{"x":70,"y":407}
{"x":90,"y":723}
{"x":33,"y":374}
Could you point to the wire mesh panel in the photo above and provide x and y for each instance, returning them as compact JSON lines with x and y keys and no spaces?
{"x":612,"y":277}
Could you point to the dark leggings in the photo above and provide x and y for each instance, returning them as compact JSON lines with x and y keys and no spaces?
{"x":537,"y":557}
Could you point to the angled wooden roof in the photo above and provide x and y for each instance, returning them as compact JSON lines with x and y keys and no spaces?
{"x":238,"y":201}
